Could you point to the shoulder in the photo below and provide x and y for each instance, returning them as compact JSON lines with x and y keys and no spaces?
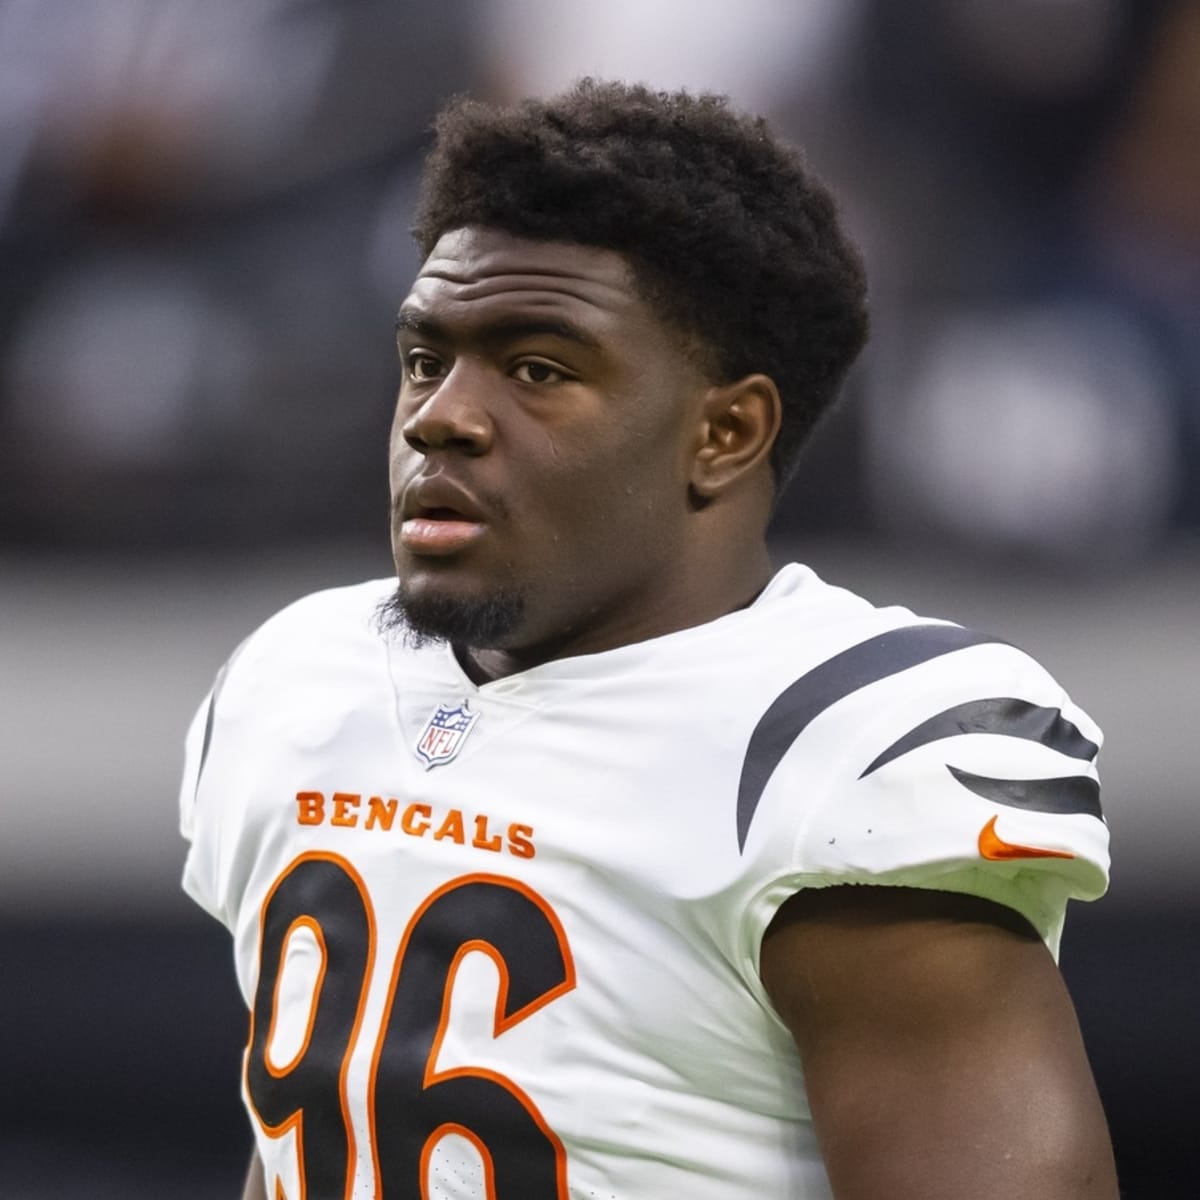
{"x":884,"y":682}
{"x":832,"y":645}
{"x":345,"y":612}
{"x":889,"y":752}
{"x":317,"y":652}
{"x":324,"y":644}
{"x":827,"y":651}
{"x":320,"y":627}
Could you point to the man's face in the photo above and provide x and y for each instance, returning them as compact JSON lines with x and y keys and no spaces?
{"x":540,"y":450}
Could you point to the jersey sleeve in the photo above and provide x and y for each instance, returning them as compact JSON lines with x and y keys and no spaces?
{"x":199,"y":869}
{"x":224,"y":745}
{"x":971,"y":771}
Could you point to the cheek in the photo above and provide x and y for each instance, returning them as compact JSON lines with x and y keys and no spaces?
{"x":608,"y":488}
{"x":400,"y":456}
{"x":622,"y":506}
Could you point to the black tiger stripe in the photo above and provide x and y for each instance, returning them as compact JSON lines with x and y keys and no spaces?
{"x":1003,"y":715}
{"x":1069,"y":794}
{"x":799,"y":704}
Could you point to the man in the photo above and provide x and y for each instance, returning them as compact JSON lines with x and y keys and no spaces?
{"x":541,"y":859}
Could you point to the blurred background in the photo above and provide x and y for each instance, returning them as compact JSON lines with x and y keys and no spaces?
{"x":203,"y":241}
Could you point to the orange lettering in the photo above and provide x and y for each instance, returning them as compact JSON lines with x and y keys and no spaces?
{"x":416,"y":820}
{"x":481,"y":841}
{"x":311,"y":808}
{"x":381,"y":813}
{"x":520,"y":841}
{"x":409,"y":825}
{"x":343,"y":802}
{"x":451,"y":827}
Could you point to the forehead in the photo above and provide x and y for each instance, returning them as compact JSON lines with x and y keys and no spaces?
{"x":480,"y":274}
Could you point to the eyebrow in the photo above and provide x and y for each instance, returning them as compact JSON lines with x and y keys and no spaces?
{"x":509,"y":329}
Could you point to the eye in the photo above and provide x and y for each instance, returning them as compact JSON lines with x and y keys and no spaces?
{"x":423,"y":367}
{"x":537,"y":372}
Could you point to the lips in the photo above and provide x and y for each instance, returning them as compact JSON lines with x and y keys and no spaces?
{"x":439,"y":517}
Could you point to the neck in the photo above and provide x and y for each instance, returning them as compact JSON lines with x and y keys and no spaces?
{"x":696,"y":599}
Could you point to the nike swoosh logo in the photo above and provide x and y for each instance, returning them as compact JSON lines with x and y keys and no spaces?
{"x":994,"y":847}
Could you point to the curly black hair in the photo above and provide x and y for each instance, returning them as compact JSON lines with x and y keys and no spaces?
{"x":724,"y":227}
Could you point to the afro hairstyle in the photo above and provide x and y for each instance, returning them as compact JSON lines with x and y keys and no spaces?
{"x":726,"y":231}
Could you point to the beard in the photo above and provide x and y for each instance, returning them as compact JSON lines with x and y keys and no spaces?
{"x":479,"y":623}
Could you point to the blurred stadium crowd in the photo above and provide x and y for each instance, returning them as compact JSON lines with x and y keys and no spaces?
{"x":203,"y":238}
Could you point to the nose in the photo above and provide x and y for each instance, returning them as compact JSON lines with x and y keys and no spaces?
{"x":451,"y":416}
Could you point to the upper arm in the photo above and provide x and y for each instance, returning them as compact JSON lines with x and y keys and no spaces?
{"x":941,"y":1053}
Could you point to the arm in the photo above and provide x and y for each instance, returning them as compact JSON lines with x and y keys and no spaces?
{"x":256,"y":1188}
{"x":940,"y":1049}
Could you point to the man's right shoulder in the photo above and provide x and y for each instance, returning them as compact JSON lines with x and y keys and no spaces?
{"x":351,"y":607}
{"x":334,"y":621}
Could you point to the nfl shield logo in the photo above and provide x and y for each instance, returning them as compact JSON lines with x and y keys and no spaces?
{"x":445,"y":732}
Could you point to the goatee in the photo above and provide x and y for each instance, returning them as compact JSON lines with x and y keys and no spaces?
{"x":478,"y":623}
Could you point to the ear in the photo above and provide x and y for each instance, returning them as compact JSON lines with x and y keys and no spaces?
{"x":738,"y":428}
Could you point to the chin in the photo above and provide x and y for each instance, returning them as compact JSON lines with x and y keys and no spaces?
{"x":423,"y":615}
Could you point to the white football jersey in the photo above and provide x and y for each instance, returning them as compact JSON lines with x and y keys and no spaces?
{"x":502,"y":940}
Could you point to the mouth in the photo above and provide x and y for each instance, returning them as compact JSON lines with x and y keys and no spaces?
{"x":439,"y":519}
{"x":437,"y":535}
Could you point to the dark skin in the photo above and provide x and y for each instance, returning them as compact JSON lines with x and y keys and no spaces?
{"x":590,"y":451}
{"x":941,"y":1052}
{"x":586,"y":463}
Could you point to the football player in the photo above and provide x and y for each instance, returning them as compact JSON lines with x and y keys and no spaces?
{"x":590,"y":856}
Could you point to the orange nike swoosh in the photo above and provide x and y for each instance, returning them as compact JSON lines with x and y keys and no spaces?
{"x":993,"y":846}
